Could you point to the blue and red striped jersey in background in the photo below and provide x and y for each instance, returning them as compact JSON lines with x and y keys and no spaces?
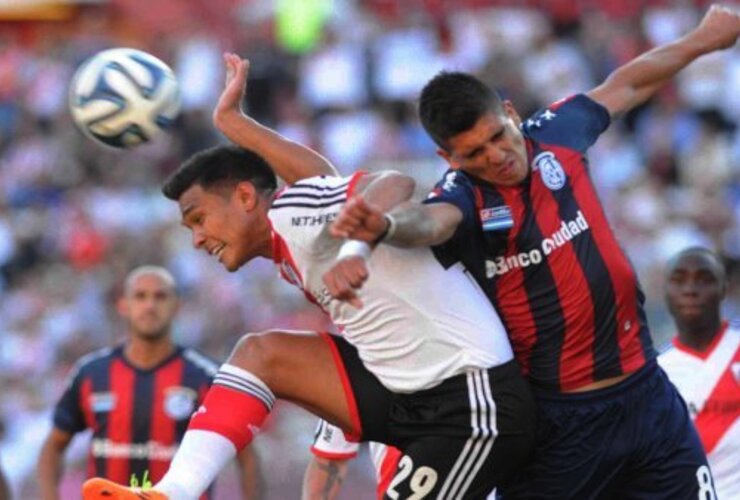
{"x":137,"y":417}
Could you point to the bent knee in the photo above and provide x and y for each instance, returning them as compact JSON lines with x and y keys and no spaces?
{"x":264,"y":354}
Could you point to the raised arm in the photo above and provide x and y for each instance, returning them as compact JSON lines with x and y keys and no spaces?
{"x":635,"y":82}
{"x":292,"y":161}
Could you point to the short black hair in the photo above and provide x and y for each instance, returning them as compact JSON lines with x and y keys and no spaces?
{"x":452,"y":102}
{"x":221,"y":166}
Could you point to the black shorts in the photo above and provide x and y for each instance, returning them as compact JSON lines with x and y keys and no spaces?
{"x":459,"y":439}
{"x":633,"y":440}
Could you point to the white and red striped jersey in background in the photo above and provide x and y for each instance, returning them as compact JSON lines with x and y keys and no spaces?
{"x":709,"y":381}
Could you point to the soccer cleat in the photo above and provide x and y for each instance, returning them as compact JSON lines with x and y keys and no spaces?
{"x":101,"y":489}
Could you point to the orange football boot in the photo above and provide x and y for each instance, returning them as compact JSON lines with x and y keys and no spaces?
{"x":98,"y":488}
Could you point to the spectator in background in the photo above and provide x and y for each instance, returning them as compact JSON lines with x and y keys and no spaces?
{"x":137,"y":397}
{"x":704,"y":363}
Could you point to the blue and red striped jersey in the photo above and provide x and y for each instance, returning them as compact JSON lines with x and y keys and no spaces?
{"x":137,"y":417}
{"x":547,"y":258}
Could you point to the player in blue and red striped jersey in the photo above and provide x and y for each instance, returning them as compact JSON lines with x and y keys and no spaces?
{"x":137,"y":398}
{"x":518,"y":209}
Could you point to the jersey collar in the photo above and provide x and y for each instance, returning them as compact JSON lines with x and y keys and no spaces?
{"x":709,"y":349}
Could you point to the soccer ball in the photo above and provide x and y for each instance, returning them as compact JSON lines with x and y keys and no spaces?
{"x":123,"y":97}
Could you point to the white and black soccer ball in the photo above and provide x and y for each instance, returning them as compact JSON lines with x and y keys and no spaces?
{"x":123,"y":97}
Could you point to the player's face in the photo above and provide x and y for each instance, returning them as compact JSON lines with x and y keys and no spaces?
{"x":493,"y":149}
{"x":149,"y":304}
{"x":223,"y":223}
{"x":694,"y":288}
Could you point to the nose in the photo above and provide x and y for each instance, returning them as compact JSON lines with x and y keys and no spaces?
{"x":199,"y":238}
{"x":495,"y":154}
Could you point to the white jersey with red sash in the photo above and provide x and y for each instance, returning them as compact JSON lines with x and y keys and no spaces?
{"x":709,"y":381}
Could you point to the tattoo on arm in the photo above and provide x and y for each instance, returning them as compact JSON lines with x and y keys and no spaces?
{"x":334,"y":477}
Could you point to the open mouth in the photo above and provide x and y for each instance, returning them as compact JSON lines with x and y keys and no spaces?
{"x":217,"y":251}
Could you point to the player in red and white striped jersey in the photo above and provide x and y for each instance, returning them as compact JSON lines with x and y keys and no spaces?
{"x":704,"y":363}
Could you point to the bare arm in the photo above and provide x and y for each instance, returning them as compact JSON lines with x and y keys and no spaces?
{"x":324,"y":478}
{"x":250,"y":474}
{"x":51,"y":463}
{"x":291,"y":161}
{"x":635,"y":82}
{"x":4,"y":487}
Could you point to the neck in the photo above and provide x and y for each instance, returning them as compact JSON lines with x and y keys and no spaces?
{"x":699,"y":334}
{"x":145,"y":354}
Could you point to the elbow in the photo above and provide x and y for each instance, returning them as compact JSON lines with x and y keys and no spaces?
{"x":402,"y":182}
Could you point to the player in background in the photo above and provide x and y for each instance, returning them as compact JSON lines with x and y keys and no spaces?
{"x":519,"y":211}
{"x":137,"y":397}
{"x":704,"y":363}
{"x":426,"y":368}
{"x":4,"y":488}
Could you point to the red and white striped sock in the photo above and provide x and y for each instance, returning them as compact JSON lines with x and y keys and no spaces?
{"x":232,"y":412}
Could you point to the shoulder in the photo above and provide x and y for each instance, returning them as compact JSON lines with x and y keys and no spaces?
{"x":94,"y":360}
{"x":573,"y":122}
{"x":200,"y":361}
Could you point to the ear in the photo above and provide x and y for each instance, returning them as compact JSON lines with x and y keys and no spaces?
{"x":246,"y":195}
{"x":448,"y":158}
{"x":122,"y":307}
{"x":511,"y":112}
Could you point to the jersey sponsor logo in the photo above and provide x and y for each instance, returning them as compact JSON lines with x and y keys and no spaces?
{"x":179,"y":402}
{"x":102,"y":402}
{"x":551,"y":171}
{"x":496,"y":218}
{"x":567,"y":231}
{"x":449,"y":181}
{"x":152,"y":450}
{"x":313,"y":220}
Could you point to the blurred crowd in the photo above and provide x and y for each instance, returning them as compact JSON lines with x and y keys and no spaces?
{"x":341,"y":76}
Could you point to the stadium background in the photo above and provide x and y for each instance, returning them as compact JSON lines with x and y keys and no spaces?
{"x":342,"y":77}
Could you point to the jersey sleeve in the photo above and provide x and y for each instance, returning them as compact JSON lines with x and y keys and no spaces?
{"x":330,"y":442}
{"x":456,"y":189}
{"x":68,"y":415}
{"x":574,"y":122}
{"x":303,"y":212}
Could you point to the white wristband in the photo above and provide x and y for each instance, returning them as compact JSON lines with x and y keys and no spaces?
{"x":391,"y":230}
{"x":351,"y":248}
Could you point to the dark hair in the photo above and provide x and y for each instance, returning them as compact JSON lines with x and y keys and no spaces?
{"x":221,"y":166}
{"x":451,"y":103}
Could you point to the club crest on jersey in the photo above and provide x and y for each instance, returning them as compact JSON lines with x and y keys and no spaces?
{"x":102,"y":402}
{"x":551,"y":171}
{"x":179,"y":402}
{"x":496,"y":218}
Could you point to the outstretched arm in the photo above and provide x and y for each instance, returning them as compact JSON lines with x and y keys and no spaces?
{"x":635,"y":82}
{"x":291,"y":161}
{"x":365,"y":221}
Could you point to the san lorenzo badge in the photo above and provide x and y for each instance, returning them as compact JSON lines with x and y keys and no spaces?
{"x":551,"y":171}
{"x":179,"y":402}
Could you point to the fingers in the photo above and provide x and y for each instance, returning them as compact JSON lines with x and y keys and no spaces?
{"x":345,"y":278}
{"x":351,"y":218}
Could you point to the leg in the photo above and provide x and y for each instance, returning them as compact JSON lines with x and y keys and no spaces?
{"x":673,"y":464}
{"x":300,"y":367}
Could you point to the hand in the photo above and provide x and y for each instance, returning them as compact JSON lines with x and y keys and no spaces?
{"x":345,"y":277}
{"x":359,"y":220}
{"x":235,"y":87}
{"x":720,"y":27}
